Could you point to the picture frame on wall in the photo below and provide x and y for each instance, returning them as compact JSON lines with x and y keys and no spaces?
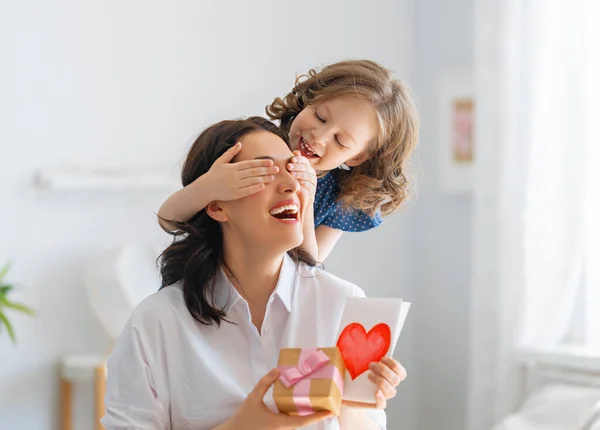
{"x":456,"y":138}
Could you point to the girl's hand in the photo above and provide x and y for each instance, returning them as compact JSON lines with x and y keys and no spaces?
{"x":231,"y":181}
{"x":254,"y":414}
{"x":302,"y":170}
{"x":386,"y":375}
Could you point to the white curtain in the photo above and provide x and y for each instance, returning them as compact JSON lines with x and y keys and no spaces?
{"x":536,"y":144}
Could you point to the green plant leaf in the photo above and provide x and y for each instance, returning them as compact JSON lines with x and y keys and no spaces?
{"x":4,"y":270}
{"x":4,"y":290}
{"x":19,"y":307}
{"x":11,"y":333}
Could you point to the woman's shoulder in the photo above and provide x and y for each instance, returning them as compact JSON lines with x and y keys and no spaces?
{"x":328,"y":283}
{"x":158,"y":306}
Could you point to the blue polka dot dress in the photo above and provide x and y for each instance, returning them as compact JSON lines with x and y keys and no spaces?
{"x":329,"y":211}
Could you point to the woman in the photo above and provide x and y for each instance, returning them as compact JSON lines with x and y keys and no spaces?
{"x":235,"y":291}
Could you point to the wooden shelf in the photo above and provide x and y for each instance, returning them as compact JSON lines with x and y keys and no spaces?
{"x":104,"y":180}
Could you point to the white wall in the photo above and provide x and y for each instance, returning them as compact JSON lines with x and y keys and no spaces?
{"x":443,"y":39}
{"x":129,"y":84}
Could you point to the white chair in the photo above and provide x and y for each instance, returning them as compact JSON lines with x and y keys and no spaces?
{"x":116,"y":282}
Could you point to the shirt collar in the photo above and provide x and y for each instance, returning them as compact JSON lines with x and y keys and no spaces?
{"x":225,"y":296}
{"x":286,"y":284}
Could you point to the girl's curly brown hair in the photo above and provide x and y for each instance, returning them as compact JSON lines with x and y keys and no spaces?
{"x":380,"y":183}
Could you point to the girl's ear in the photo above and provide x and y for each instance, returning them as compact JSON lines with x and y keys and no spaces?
{"x":358,"y":160}
{"x":217,"y":212}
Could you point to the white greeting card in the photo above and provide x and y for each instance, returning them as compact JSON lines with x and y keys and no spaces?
{"x":368,"y":332}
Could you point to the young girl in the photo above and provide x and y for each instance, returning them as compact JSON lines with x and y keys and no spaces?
{"x":352,"y":128}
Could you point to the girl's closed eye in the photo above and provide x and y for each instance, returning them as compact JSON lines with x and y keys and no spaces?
{"x":319,"y":117}
{"x":337,"y":139}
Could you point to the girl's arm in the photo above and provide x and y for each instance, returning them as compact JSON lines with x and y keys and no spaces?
{"x":309,"y":243}
{"x":318,"y":242}
{"x":338,"y":221}
{"x":183,"y":204}
{"x":326,"y":238}
{"x":226,"y":180}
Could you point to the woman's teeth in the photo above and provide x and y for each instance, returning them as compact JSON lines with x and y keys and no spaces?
{"x":287,"y":211}
{"x":307,"y":149}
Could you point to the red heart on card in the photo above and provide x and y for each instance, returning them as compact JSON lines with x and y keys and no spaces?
{"x":359,"y":348}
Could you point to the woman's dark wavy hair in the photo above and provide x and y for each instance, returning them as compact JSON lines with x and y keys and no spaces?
{"x":196,"y":254}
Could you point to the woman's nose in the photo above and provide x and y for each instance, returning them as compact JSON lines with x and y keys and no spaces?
{"x":288,"y":183}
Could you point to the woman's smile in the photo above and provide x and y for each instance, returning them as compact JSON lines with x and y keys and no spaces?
{"x":286,"y":211}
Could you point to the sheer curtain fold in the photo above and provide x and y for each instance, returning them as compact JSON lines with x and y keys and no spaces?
{"x":531,"y":189}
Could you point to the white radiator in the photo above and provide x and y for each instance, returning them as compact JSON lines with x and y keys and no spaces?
{"x":563,"y":391}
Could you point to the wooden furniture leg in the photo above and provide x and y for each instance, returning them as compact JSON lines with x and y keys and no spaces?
{"x":99,"y":391}
{"x":66,"y":405}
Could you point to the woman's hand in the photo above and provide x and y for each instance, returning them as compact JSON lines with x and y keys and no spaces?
{"x":302,"y":170}
{"x":254,"y":414}
{"x":386,"y":375}
{"x":231,"y":181}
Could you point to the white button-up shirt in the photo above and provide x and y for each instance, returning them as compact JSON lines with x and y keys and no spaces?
{"x":167,"y":371}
